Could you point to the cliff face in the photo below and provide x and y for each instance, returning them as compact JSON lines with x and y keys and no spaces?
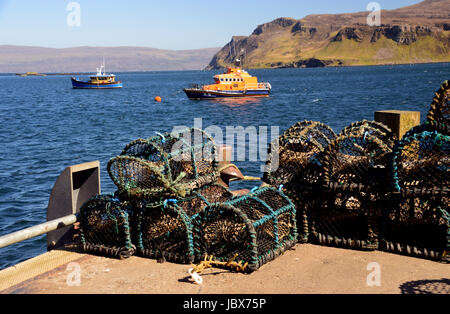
{"x":414,"y":34}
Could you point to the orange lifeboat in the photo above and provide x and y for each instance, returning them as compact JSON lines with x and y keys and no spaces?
{"x":234,"y":82}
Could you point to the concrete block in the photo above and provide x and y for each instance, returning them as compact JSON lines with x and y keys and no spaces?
{"x":398,"y":121}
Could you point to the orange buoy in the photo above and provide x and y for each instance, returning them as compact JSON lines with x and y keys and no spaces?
{"x":158,"y":99}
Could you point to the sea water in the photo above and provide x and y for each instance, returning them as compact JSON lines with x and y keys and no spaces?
{"x":46,"y":126}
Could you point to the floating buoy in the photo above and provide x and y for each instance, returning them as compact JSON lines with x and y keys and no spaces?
{"x":158,"y":99}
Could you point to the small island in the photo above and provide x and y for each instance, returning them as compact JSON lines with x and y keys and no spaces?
{"x":30,"y":74}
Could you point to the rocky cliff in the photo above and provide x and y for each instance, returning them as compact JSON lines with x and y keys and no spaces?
{"x":414,"y":34}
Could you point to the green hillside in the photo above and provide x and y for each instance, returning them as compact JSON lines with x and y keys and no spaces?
{"x":415,"y":34}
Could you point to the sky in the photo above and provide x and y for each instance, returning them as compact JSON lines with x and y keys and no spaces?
{"x":165,"y":24}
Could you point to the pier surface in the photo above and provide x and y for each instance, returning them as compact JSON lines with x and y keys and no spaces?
{"x":308,"y":269}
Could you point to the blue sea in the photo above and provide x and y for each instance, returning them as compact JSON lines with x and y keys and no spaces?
{"x":46,"y":126}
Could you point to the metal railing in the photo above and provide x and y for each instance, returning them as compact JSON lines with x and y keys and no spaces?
{"x":38,"y":230}
{"x":75,"y":185}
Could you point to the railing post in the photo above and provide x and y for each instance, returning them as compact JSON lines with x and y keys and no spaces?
{"x":76,"y":185}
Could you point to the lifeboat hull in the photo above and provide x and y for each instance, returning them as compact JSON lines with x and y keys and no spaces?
{"x":199,"y":94}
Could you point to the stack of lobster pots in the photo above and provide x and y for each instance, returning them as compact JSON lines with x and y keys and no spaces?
{"x":365,"y":189}
{"x":169,"y":206}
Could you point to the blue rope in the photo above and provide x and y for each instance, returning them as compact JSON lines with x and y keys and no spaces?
{"x":163,"y":139}
{"x":166,"y":202}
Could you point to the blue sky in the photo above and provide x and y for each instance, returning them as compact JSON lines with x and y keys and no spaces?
{"x":174,"y":24}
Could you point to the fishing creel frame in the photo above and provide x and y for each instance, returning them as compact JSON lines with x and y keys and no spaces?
{"x":300,"y":172}
{"x":349,"y":210}
{"x":165,"y":166}
{"x":414,"y":148}
{"x":253,"y":227}
{"x":105,"y":227}
{"x":300,"y":144}
{"x":343,"y":170}
{"x":417,"y":222}
{"x":439,"y":114}
{"x":373,"y":128}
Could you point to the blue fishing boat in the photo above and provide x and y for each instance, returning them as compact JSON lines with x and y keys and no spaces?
{"x":99,"y":81}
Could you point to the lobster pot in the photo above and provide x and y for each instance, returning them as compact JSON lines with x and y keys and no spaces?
{"x":372,"y":128}
{"x":419,"y":227}
{"x":420,"y":164}
{"x":205,"y":196}
{"x":297,"y":155}
{"x":105,"y":227}
{"x":257,"y":228}
{"x":349,"y":209}
{"x":165,"y":231}
{"x":169,"y":165}
{"x":439,"y":114}
{"x":356,"y":162}
{"x":299,"y":169}
{"x":418,"y":221}
{"x":321,"y":132}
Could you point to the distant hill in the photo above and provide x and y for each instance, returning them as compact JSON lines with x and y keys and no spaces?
{"x":415,"y":34}
{"x":18,"y":59}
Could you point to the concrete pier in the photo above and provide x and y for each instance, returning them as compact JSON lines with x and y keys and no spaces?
{"x":308,"y":269}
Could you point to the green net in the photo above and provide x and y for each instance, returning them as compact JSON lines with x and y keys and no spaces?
{"x":169,"y":165}
{"x":165,"y":231}
{"x":257,"y":228}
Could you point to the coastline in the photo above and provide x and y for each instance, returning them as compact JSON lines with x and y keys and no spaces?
{"x":249,"y":68}
{"x":286,"y":66}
